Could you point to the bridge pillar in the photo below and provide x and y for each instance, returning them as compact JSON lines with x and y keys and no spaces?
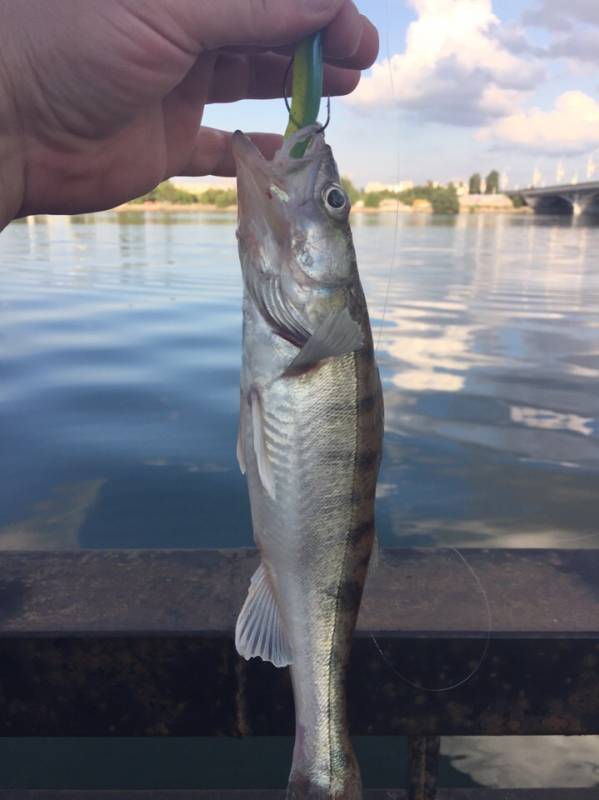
{"x":580,"y":202}
{"x":577,"y":199}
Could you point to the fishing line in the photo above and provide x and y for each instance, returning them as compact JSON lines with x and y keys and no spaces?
{"x":392,"y":267}
{"x":397,"y":174}
{"x":483,"y":655}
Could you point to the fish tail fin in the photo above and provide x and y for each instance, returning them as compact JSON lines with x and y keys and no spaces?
{"x":306,"y":790}
{"x":342,"y":783}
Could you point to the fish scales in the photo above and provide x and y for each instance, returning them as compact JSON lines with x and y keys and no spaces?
{"x":310,"y":443}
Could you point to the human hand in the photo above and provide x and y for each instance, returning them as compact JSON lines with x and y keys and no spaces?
{"x":100,"y":100}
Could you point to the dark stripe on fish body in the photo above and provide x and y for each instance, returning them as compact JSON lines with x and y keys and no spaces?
{"x":336,"y":456}
{"x":350,"y":593}
{"x":367,"y":403}
{"x":360,"y":530}
{"x":367,"y":355}
{"x":357,"y":497}
{"x":367,"y":459}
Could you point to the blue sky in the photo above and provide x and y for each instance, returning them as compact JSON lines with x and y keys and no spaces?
{"x":463,"y":86}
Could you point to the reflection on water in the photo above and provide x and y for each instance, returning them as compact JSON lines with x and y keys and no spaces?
{"x":490,"y":363}
{"x":55,"y":523}
{"x":119,"y":367}
{"x":526,"y":762}
{"x":119,"y":359}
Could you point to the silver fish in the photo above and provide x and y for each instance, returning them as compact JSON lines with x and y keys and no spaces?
{"x":310,"y":443}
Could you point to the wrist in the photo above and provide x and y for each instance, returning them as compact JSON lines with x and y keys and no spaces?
{"x":12,"y":184}
{"x":12,"y":148}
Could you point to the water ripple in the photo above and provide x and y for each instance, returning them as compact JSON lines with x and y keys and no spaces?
{"x":119,"y":368}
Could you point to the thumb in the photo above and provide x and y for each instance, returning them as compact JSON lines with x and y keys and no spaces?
{"x":261,"y":23}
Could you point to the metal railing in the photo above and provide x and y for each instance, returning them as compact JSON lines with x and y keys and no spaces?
{"x":139,"y":643}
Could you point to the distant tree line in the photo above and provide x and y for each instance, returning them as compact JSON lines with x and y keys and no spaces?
{"x":491,"y":183}
{"x":443,"y":199}
{"x":167,"y":192}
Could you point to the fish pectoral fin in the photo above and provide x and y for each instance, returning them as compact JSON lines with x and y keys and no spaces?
{"x":337,"y":335}
{"x":259,"y":631}
{"x":241,"y":438}
{"x":240,"y":453}
{"x":265,"y":470}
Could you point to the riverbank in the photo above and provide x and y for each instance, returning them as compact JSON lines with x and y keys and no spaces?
{"x":386,"y":207}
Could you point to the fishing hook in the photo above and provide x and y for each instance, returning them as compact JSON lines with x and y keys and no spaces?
{"x":322,"y":128}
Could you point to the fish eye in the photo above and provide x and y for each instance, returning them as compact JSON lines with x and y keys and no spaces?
{"x":335,"y":200}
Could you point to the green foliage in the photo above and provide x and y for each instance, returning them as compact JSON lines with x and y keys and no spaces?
{"x":517,"y":200}
{"x":352,"y":192}
{"x":167,"y":192}
{"x":492,"y":182}
{"x":372,"y":199}
{"x":474,"y":184}
{"x":444,"y":200}
{"x":221,"y":198}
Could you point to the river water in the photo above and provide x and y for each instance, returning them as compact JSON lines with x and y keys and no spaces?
{"x":119,"y":367}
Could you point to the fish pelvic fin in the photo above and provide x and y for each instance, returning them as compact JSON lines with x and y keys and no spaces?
{"x":337,"y":335}
{"x":259,"y":631}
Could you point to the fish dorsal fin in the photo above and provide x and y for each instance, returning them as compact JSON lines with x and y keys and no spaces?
{"x":337,"y":335}
{"x":259,"y":630}
{"x":265,"y":470}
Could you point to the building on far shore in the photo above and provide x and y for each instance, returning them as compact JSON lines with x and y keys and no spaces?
{"x":485,"y":202}
{"x":377,"y":186}
{"x":461,"y":186}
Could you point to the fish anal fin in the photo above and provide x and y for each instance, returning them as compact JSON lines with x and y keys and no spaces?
{"x":337,"y":335}
{"x":263,"y":462}
{"x":259,"y":631}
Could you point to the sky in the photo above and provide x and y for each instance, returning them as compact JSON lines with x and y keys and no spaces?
{"x":464,"y":86}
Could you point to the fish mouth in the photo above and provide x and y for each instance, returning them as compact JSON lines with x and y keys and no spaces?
{"x":246,"y":152}
{"x":271,"y":187}
{"x":248,"y":158}
{"x":314,"y":134}
{"x":260,"y":211}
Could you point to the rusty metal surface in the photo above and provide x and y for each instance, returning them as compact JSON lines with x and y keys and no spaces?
{"x":380,"y":794}
{"x":139,"y":644}
{"x":191,"y":592}
{"x":423,"y":767}
{"x":199,"y":687}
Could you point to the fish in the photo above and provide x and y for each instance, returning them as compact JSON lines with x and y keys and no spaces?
{"x":310,"y":442}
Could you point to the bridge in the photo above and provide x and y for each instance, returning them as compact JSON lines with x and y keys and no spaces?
{"x":571,"y":198}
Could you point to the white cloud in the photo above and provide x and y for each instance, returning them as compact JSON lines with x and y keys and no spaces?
{"x":579,"y":45}
{"x":558,"y":15}
{"x":571,"y":23}
{"x":455,"y":68}
{"x":571,"y":127}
